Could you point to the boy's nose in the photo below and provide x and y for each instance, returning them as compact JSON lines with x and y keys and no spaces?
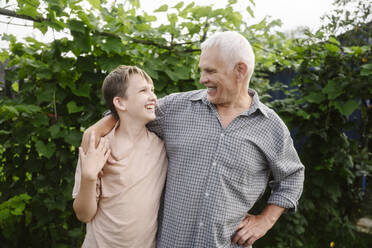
{"x":152,"y":96}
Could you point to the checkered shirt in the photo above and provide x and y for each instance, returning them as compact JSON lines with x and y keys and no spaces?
{"x":216,"y":174}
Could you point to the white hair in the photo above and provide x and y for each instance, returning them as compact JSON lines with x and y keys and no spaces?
{"x":234,"y":48}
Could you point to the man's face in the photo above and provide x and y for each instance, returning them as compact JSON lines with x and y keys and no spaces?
{"x":217,"y":77}
{"x":141,"y":99}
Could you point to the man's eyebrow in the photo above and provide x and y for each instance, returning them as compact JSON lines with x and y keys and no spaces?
{"x":209,"y":69}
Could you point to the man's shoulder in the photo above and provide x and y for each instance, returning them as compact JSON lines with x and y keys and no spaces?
{"x":274,"y":124}
{"x":183,"y":96}
{"x":273,"y":116}
{"x":269,"y":113}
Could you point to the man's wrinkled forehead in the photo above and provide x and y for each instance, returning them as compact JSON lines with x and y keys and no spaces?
{"x":209,"y":56}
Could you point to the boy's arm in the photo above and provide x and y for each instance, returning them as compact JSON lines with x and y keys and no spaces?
{"x":85,"y":203}
{"x":92,"y":162}
{"x":100,"y":128}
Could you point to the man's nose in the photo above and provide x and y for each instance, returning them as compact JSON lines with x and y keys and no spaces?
{"x":203,"y":79}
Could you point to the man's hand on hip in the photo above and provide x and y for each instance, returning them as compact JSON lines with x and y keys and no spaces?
{"x":250,"y":229}
{"x":254,"y":227}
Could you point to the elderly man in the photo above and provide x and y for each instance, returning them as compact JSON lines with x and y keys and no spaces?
{"x":222,"y":144}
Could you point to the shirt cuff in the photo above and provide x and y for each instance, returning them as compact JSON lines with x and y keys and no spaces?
{"x":284,"y":202}
{"x":106,"y":113}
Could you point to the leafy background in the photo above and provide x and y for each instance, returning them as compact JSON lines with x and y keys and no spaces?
{"x":52,"y":93}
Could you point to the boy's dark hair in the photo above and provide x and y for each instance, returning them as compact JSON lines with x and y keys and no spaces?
{"x":116,"y":84}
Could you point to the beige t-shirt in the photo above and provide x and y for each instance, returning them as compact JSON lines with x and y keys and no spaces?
{"x":128,"y":198}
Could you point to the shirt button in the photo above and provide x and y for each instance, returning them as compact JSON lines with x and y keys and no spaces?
{"x":201,"y":224}
{"x":222,"y":135}
{"x":206,"y":194}
{"x":214,"y":163}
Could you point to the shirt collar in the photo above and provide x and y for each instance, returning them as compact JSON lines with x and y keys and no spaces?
{"x":256,"y":104}
{"x":200,"y":95}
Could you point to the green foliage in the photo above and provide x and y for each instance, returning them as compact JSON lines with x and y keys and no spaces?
{"x":333,"y":81}
{"x":56,"y":95}
{"x":11,"y":213}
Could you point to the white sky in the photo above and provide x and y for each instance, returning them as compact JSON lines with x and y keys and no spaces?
{"x":292,"y":13}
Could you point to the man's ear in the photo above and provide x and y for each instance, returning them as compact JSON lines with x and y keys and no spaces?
{"x":119,"y":103}
{"x":241,"y":70}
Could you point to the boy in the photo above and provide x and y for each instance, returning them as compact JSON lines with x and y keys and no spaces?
{"x":121,"y":207}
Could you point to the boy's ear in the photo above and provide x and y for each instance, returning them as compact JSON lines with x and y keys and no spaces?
{"x":119,"y":103}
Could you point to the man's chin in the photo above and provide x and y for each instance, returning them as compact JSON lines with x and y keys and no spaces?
{"x":212,"y":99}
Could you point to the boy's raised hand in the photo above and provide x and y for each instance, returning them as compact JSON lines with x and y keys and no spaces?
{"x":94,"y":159}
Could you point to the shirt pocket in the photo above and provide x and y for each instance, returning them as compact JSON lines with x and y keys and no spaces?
{"x":242,"y":160}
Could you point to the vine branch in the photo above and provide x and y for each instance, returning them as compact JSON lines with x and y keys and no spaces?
{"x":11,"y":13}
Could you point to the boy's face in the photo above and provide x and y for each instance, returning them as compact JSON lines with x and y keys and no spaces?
{"x":141,"y":99}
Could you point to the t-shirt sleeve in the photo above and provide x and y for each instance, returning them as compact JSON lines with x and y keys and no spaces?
{"x":76,"y":188}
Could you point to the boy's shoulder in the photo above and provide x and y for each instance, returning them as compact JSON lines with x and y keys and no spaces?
{"x":154,"y":139}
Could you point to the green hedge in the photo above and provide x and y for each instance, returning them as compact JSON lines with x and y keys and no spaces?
{"x":56,"y":94}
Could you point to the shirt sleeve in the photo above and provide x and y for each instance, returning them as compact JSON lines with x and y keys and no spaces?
{"x":157,"y":125}
{"x":288,"y":173}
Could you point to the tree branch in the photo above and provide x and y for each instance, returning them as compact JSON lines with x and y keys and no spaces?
{"x":206,"y":26}
{"x":12,"y":13}
{"x":16,"y":24}
{"x":134,"y":40}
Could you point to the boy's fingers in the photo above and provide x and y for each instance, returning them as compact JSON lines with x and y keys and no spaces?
{"x":92,"y":140}
{"x":100,"y":174}
{"x":86,"y":141}
{"x":81,"y":153}
{"x":101,"y":144}
{"x":97,"y":139}
{"x":111,"y":160}
{"x":107,"y":154}
{"x":107,"y":145}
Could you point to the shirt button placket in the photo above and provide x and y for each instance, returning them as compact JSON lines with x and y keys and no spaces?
{"x":201,"y":223}
{"x":206,"y":196}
